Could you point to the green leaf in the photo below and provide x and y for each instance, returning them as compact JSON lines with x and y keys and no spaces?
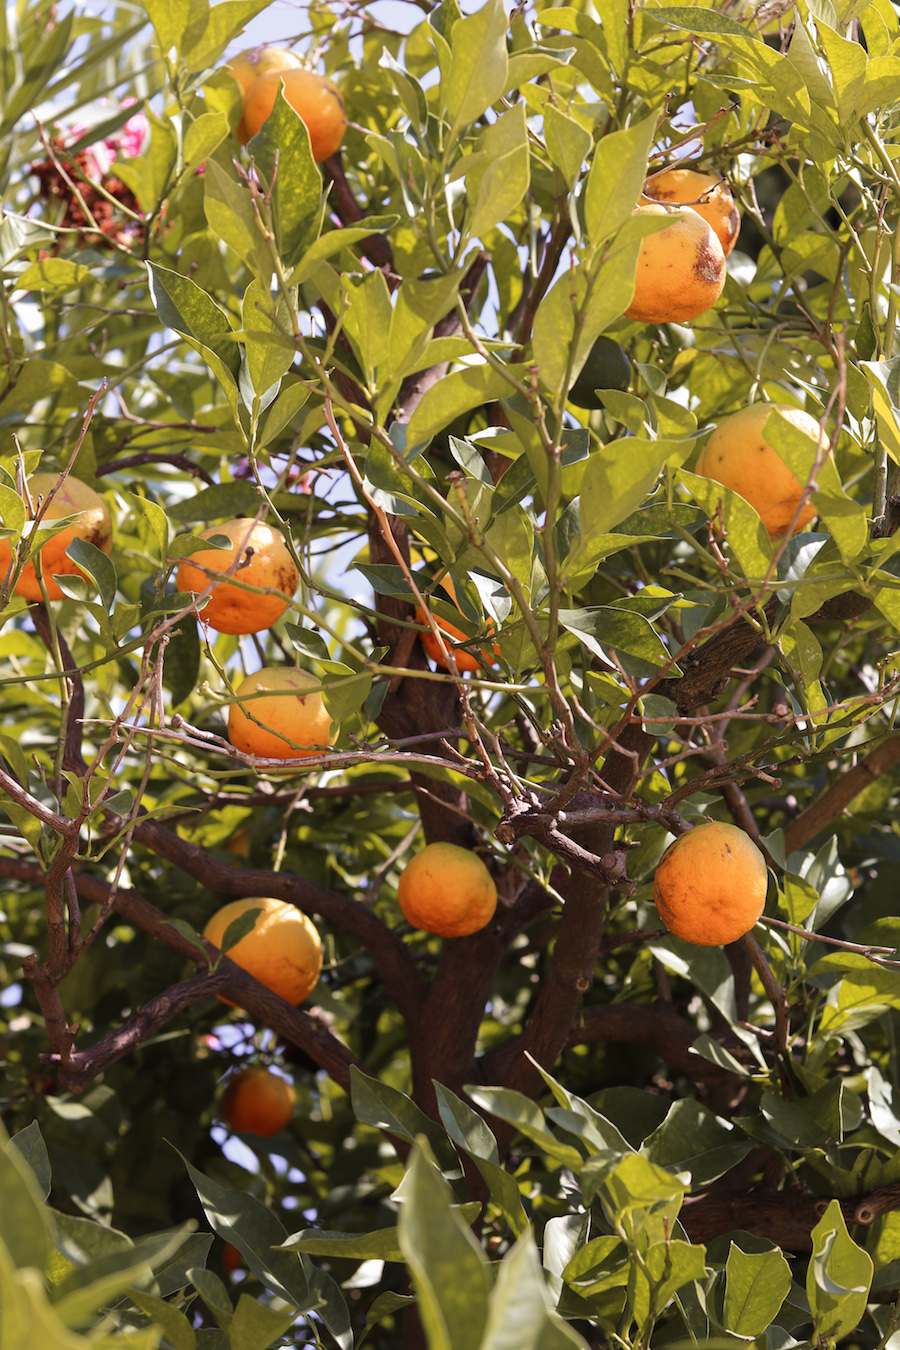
{"x":182,"y":662}
{"x":386,"y":1108}
{"x":607,"y":627}
{"x":98,"y":566}
{"x":256,"y":1325}
{"x":149,"y":175}
{"x":30,"y":1143}
{"x":469,"y":1131}
{"x":838,"y":1277}
{"x":209,"y":33}
{"x":12,"y":511}
{"x":747,"y":538}
{"x":527,"y":1117}
{"x":448,"y":1268}
{"x":238,"y":929}
{"x":693,"y":1140}
{"x":616,"y":178}
{"x":52,"y":274}
{"x":220,"y":502}
{"x":455,"y":394}
{"x":25,"y":1225}
{"x":521,"y":1316}
{"x":186,"y":308}
{"x":619,"y":477}
{"x":170,"y":18}
{"x":501,"y":186}
{"x":283,"y":141}
{"x":568,"y":143}
{"x":178,"y":1330}
{"x":266,"y":322}
{"x":381,"y":1245}
{"x":478,"y":65}
{"x":239,"y":1219}
{"x":204,"y":134}
{"x":231,"y":218}
{"x":756,"y":1285}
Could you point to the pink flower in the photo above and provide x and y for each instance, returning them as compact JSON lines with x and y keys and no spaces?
{"x":130,"y":139}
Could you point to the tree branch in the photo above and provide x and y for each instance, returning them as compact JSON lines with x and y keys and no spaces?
{"x":838,"y":796}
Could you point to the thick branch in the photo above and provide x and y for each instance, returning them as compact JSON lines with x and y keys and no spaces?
{"x":395,"y":965}
{"x":786,"y":1218}
{"x":348,"y":211}
{"x":836,"y":798}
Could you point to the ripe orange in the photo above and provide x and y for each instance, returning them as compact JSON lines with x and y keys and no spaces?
{"x":288,"y":718}
{"x":466,"y":661}
{"x":706,"y":193}
{"x":447,"y":890}
{"x":316,"y":100}
{"x":257,"y":1102}
{"x":253,"y":63}
{"x":738,"y":456}
{"x":264,"y":562}
{"x":282,"y":950}
{"x":681,"y":269}
{"x":90,"y":521}
{"x":710,"y":885}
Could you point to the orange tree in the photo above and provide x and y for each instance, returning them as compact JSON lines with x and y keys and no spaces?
{"x":308,"y":425}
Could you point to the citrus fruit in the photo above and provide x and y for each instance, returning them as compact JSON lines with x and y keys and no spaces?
{"x":447,"y":890}
{"x":738,"y":456}
{"x":710,"y":885}
{"x":263,"y":561}
{"x":680,"y":270}
{"x":90,"y":521}
{"x":257,"y":1101}
{"x":286,"y":718}
{"x":707,"y":193}
{"x":314,"y":98}
{"x":606,"y":367}
{"x":466,"y":661}
{"x":283,"y":950}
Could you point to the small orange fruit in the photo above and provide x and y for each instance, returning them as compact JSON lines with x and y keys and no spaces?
{"x":257,"y":1102}
{"x":283,"y":950}
{"x":466,"y":661}
{"x":447,"y":890}
{"x":285,"y":719}
{"x":314,"y":98}
{"x":231,"y":1258}
{"x":707,"y":193}
{"x":680,"y":270}
{"x":264,"y":563}
{"x":710,"y":885}
{"x":90,"y":521}
{"x":738,"y":456}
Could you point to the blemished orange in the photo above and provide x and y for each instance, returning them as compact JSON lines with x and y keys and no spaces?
{"x":447,"y":890}
{"x":707,"y":193}
{"x":680,"y":269}
{"x":466,"y":661}
{"x":738,"y":456}
{"x":91,"y":521}
{"x":263,"y":561}
{"x":257,"y":1101}
{"x":710,"y":885}
{"x":287,"y":718}
{"x":283,"y":949}
{"x":314,"y":98}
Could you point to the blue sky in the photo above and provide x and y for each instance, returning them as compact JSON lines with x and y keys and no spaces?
{"x":284,"y":18}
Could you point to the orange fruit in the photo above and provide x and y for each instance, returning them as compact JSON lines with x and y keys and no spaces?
{"x":447,"y":890}
{"x":288,"y":718}
{"x":249,"y":65}
{"x":706,"y":193}
{"x":316,"y":100}
{"x":257,"y":1102}
{"x":680,"y":270}
{"x":710,"y":885}
{"x":466,"y":661}
{"x":738,"y":456}
{"x":283,"y":950}
{"x":264,"y":562}
{"x":231,"y":1258}
{"x":90,"y":521}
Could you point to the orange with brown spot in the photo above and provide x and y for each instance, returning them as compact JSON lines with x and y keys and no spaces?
{"x":710,"y":885}
{"x":257,"y":557}
{"x":681,"y":269}
{"x":706,"y":193}
{"x":280,"y":714}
